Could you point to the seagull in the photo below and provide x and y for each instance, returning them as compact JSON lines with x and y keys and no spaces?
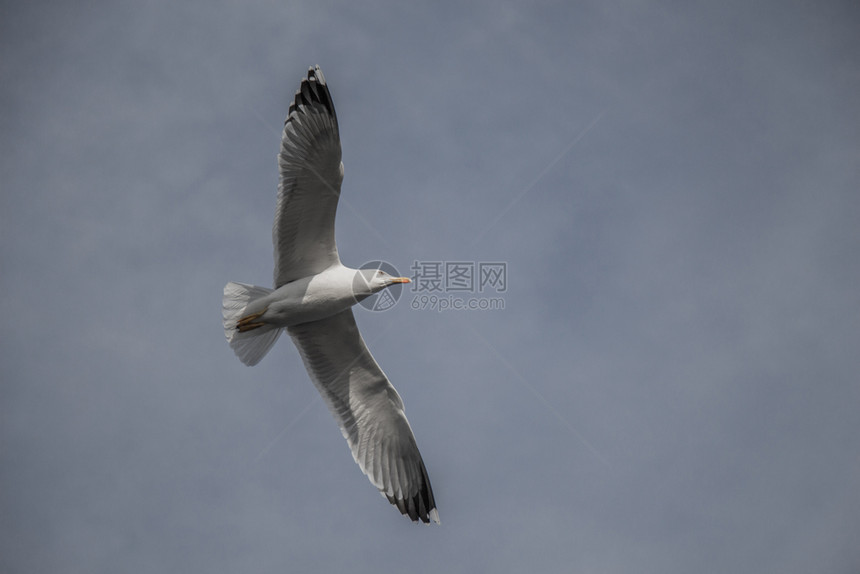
{"x":312,"y":299}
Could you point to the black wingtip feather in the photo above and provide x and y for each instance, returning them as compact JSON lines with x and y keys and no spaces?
{"x":420,"y":506}
{"x":313,"y":91}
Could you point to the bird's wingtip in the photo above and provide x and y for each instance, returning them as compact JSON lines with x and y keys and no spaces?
{"x":315,"y":72}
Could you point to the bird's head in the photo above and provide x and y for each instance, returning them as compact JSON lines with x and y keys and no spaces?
{"x":370,"y":281}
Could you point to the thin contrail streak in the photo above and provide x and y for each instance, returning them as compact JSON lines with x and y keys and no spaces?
{"x":540,"y":176}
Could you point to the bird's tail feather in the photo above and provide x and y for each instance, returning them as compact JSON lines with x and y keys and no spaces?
{"x":252,"y":345}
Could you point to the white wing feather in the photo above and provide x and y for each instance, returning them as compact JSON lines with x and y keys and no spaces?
{"x":310,"y":176}
{"x":368,"y":410}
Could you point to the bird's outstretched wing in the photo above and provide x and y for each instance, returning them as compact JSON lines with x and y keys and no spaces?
{"x":368,"y":410}
{"x":310,"y":176}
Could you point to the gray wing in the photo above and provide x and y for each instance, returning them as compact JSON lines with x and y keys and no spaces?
{"x":368,"y":410}
{"x":310,"y":176}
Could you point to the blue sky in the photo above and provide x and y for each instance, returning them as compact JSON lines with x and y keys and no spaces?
{"x":672,"y":385}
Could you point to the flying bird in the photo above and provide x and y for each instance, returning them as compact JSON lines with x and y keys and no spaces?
{"x":312,"y":299}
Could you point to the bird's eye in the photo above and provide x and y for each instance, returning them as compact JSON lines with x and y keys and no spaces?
{"x":380,"y":272}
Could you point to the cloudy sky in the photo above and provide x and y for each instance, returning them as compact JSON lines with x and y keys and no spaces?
{"x":671,"y":387}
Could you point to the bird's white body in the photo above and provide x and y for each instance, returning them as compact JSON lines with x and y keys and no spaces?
{"x":308,"y":299}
